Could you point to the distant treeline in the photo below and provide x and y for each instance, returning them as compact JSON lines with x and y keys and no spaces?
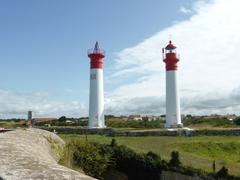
{"x":117,"y":122}
{"x":12,"y":119}
{"x":110,"y":122}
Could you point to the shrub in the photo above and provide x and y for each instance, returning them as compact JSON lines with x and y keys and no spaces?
{"x":174,"y":162}
{"x":93,"y":162}
{"x":113,"y":143}
{"x":97,"y":159}
{"x":137,"y":166}
{"x":223,"y":172}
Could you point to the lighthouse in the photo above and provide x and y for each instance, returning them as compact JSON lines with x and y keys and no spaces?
{"x":96,"y":96}
{"x":173,"y":115}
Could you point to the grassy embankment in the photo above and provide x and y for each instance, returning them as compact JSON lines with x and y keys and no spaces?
{"x":198,"y":152}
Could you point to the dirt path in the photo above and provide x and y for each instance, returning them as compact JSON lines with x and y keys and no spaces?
{"x":27,"y":154}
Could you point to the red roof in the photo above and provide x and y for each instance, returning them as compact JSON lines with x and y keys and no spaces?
{"x":44,"y":119}
{"x":96,"y":51}
{"x":170,"y":46}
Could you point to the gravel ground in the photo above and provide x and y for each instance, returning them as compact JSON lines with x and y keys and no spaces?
{"x":27,"y":154}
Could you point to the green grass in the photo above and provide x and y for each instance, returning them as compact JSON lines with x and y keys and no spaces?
{"x":209,"y":123}
{"x":198,"y":152}
{"x":214,"y":150}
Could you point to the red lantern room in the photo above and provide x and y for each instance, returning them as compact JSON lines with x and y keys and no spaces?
{"x":171,"y":57}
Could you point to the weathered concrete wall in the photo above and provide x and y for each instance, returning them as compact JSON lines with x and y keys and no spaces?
{"x":111,"y":132}
{"x":29,"y":154}
{"x":78,"y":130}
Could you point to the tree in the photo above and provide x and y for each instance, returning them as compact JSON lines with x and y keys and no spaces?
{"x":237,"y":121}
{"x":63,"y":118}
{"x":174,"y":162}
{"x":113,"y":143}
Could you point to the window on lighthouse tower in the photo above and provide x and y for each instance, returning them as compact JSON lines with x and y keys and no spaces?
{"x":171,"y":50}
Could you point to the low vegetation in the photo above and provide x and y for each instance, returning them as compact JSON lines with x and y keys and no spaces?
{"x":113,"y":161}
{"x":207,"y":122}
{"x":197,"y":152}
{"x":101,"y":160}
{"x":226,"y":150}
{"x":13,"y":123}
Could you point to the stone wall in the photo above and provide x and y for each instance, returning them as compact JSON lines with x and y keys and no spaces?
{"x":157,"y":132}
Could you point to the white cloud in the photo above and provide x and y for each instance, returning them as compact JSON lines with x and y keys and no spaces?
{"x":185,"y":10}
{"x":208,"y":44}
{"x":14,"y":104}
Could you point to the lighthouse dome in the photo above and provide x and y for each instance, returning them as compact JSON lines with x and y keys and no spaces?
{"x":170,"y":46}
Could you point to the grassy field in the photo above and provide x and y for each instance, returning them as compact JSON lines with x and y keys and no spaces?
{"x":198,"y":152}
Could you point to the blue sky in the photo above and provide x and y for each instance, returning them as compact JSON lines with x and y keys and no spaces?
{"x":44,"y":43}
{"x":43,"y":47}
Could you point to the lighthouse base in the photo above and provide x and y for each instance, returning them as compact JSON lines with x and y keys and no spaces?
{"x":173,"y":125}
{"x":92,"y":127}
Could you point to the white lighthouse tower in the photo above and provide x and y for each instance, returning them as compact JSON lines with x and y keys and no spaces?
{"x":96,"y":98}
{"x":173,"y":115}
